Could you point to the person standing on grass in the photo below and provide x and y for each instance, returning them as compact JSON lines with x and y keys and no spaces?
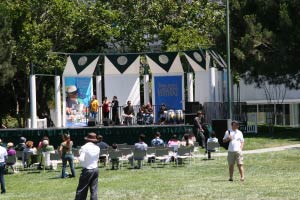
{"x":236,"y":143}
{"x":89,"y":155}
{"x":65,"y":152}
{"x":3,"y":158}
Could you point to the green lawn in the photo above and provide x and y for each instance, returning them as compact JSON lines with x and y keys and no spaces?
{"x":268,"y":176}
{"x":281,"y":136}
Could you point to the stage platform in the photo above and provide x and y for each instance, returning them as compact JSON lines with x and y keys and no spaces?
{"x":111,"y":134}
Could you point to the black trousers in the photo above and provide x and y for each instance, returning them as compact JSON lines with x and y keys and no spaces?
{"x":88,"y":179}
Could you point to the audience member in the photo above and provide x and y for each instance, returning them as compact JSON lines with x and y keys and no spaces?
{"x":21,"y":146}
{"x":46,"y":150}
{"x":140,"y":146}
{"x":66,"y":154}
{"x":128,"y":114}
{"x":115,"y":161}
{"x":157,"y":141}
{"x":102,"y":145}
{"x":11,"y":152}
{"x":186,"y":141}
{"x":89,"y":155}
{"x":174,"y":142}
{"x":3,"y":158}
{"x":29,"y":150}
{"x":213,"y":137}
{"x":115,"y":110}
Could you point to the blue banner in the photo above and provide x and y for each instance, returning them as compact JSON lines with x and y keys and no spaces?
{"x":78,"y":96}
{"x":168,"y":91}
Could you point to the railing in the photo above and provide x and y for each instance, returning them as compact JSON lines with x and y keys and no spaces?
{"x":120,"y":114}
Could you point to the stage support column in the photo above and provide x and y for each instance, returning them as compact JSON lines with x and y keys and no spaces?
{"x":33,"y":101}
{"x":146,"y":88}
{"x":212,"y":84}
{"x":57,"y":101}
{"x":99,"y":95}
{"x":190,"y":87}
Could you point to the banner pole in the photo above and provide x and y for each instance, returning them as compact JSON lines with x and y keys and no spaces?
{"x":57,"y":101}
{"x":33,"y":101}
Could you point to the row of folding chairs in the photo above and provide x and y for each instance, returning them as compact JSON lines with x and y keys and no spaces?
{"x":161,"y":154}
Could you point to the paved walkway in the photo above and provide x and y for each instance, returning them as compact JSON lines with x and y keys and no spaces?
{"x":265,"y":150}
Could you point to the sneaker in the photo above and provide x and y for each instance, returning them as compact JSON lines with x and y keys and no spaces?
{"x":230,"y":179}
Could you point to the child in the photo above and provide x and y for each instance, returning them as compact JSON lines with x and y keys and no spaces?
{"x":115,"y":161}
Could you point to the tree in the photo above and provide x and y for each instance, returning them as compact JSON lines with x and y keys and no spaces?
{"x":265,"y":41}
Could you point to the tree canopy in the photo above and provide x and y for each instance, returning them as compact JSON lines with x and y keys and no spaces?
{"x":265,"y":41}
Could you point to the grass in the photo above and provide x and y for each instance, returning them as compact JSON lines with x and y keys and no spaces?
{"x":281,"y":136}
{"x":268,"y":176}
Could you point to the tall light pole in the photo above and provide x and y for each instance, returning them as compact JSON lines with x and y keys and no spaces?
{"x":229,"y":92}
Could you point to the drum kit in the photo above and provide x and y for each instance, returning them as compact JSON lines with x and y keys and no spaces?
{"x":174,"y":117}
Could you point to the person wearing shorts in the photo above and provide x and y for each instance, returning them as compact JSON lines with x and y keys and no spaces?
{"x":235,"y":155}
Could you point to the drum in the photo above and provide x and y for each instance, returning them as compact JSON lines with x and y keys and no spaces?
{"x":179,"y":116}
{"x":170,"y":116}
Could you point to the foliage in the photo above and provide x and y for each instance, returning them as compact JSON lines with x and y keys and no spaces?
{"x":40,"y":27}
{"x":265,"y":41}
{"x":6,"y":45}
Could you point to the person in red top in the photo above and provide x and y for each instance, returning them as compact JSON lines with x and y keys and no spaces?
{"x":105,"y":108}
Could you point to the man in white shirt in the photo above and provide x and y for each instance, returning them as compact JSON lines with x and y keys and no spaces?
{"x":236,"y":144}
{"x":89,"y":155}
{"x":3,"y":157}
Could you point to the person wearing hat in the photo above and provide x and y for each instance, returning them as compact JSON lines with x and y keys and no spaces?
{"x":71,"y":100}
{"x":198,"y":129}
{"x":3,"y":158}
{"x":88,"y":158}
{"x":236,"y":143}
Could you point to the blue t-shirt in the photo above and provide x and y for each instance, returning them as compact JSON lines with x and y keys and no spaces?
{"x":157,"y":142}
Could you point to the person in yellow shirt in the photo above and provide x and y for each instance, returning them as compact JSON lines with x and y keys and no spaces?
{"x":94,"y":107}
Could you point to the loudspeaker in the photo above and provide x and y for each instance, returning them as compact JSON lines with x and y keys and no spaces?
{"x":192,"y":107}
{"x":189,"y":118}
{"x":220,"y":126}
{"x":91,"y":122}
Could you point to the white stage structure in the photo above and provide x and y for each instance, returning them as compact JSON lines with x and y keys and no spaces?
{"x":121,"y":78}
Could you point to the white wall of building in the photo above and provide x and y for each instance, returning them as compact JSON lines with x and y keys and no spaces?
{"x":252,"y":94}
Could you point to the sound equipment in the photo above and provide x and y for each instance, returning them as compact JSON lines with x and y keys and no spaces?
{"x":192,"y":107}
{"x":91,"y":122}
{"x":189,"y":118}
{"x":220,"y":126}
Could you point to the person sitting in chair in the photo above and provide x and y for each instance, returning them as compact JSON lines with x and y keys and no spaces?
{"x":128,"y":114}
{"x":11,"y":152}
{"x":148,"y":114}
{"x":139,"y":146}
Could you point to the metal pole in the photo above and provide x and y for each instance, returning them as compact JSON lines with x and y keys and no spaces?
{"x":57,"y":101}
{"x":33,"y":101}
{"x":228,"y":61}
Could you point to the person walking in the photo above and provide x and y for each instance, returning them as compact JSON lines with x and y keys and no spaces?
{"x":89,"y":155}
{"x":3,"y":158}
{"x":65,"y":151}
{"x":236,"y":143}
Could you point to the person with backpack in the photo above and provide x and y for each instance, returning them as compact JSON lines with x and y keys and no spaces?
{"x":236,"y":143}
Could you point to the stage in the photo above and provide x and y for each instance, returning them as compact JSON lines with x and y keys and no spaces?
{"x":111,"y":134}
